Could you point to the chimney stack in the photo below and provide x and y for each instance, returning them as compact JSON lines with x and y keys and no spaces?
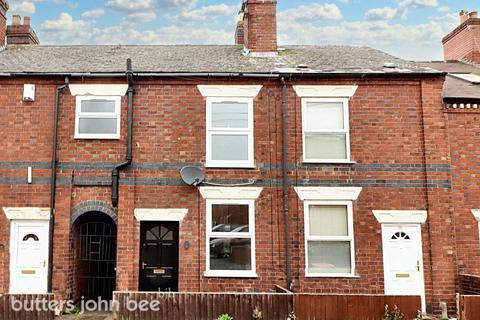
{"x":463,"y":43}
{"x":259,"y":27}
{"x":240,"y":33}
{"x":3,"y":22}
{"x":18,"y":33}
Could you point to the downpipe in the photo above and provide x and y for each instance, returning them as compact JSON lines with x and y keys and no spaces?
{"x":53,"y":182}
{"x":128,"y":159}
{"x":286,"y":184}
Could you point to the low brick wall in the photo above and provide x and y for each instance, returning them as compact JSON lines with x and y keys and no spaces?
{"x":469,"y":284}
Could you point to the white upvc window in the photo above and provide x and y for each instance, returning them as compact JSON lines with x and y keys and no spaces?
{"x":97,"y":117}
{"x":326,"y":136}
{"x":329,"y":239}
{"x":229,"y":132}
{"x":230,"y":244}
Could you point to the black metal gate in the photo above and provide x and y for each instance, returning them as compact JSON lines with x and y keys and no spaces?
{"x":96,"y":256}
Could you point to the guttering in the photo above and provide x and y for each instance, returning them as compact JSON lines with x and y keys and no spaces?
{"x":274,"y":75}
{"x":53,"y":182}
{"x":128,"y":159}
{"x":285,"y":183}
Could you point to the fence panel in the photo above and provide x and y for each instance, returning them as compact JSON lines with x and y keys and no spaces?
{"x":202,"y":306}
{"x":26,"y":306}
{"x":470,"y":307}
{"x":352,"y":307}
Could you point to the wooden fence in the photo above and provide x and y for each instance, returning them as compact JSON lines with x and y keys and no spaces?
{"x":264,"y":306}
{"x":469,"y":284}
{"x":469,"y":307}
{"x":26,"y":307}
{"x":353,"y":307}
{"x":202,"y":306}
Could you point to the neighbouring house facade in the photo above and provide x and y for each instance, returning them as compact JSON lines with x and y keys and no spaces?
{"x":461,"y":104}
{"x":327,"y":169}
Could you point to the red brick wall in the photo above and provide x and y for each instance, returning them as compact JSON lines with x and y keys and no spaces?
{"x":397,"y":125}
{"x":3,"y":22}
{"x":464,"y":136}
{"x":464,"y":42}
{"x":261,"y":26}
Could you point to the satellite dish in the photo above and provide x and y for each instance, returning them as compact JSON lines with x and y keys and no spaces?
{"x":193,"y":176}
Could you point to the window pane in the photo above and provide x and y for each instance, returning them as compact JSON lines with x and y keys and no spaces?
{"x":329,"y":257}
{"x":328,"y":220}
{"x":229,"y":115}
{"x":229,"y":218}
{"x":98,"y":105}
{"x":230,"y":254}
{"x":324,"y":116}
{"x":325,"y":146}
{"x":97,"y":125}
{"x":229,"y":147}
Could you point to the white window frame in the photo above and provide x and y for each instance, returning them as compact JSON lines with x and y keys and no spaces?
{"x":350,"y":238}
{"x":345,"y":130}
{"x":244,"y":235}
{"x":210,"y":163}
{"x":94,"y":115}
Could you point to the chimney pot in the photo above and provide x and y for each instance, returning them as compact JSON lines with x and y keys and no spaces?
{"x":16,"y":20}
{"x":463,"y":16}
{"x":26,"y":21}
{"x":473,"y":14}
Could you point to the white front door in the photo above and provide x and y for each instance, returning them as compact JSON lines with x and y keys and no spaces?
{"x":402,"y":260}
{"x":29,"y":256}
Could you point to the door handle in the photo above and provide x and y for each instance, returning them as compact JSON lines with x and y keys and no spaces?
{"x":418,"y":265}
{"x":44,"y":263}
{"x":144,"y":265}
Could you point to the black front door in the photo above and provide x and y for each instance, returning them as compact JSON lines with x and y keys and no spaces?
{"x":159,"y":256}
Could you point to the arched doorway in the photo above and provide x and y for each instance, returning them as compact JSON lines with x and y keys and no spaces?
{"x":95,"y":248}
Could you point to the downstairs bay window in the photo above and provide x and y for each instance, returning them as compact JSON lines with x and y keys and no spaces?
{"x":329,"y":241}
{"x":230,"y":241}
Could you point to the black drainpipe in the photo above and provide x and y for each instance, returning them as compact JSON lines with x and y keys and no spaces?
{"x":286,"y":183}
{"x":53,"y":182}
{"x":116,"y":170}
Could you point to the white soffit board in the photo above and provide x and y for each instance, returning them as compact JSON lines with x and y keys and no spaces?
{"x":160,"y":214}
{"x":476,"y":214}
{"x":31,"y":213}
{"x":328,"y":193}
{"x":238,"y":193}
{"x":401,"y":216}
{"x":325,"y":91}
{"x":98,"y":89}
{"x":229,"y":91}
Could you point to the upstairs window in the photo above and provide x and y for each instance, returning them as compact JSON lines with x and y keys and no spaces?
{"x":325,"y":130}
{"x":97,"y":117}
{"x":229,"y":133}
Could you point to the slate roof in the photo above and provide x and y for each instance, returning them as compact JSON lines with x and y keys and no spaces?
{"x":197,"y":59}
{"x":456,"y":88}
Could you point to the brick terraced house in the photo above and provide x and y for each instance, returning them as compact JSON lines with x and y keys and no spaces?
{"x":328,"y":169}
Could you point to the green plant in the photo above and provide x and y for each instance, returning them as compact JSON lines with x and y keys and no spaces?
{"x":394,"y":314}
{"x":225,"y":317}
{"x":74,"y":310}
